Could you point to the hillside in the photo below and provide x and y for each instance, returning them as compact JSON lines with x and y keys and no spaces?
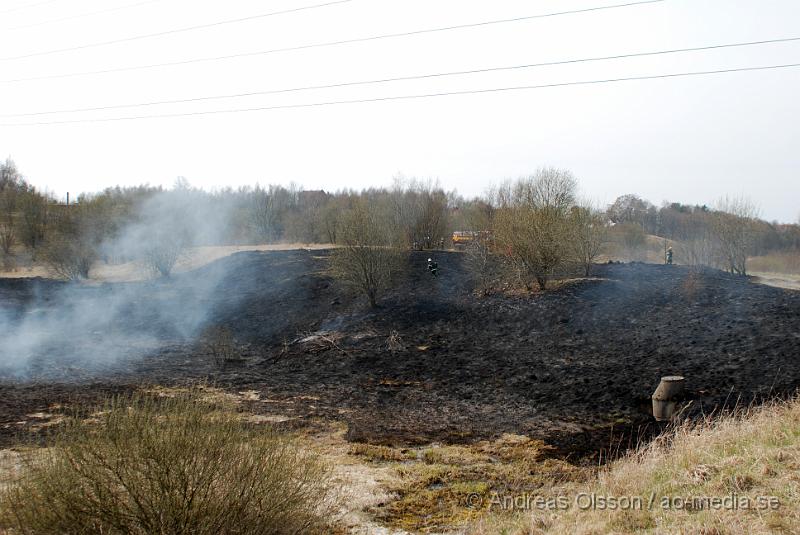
{"x":435,"y":363}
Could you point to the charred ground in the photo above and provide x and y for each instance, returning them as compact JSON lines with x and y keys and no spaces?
{"x":574,"y":366}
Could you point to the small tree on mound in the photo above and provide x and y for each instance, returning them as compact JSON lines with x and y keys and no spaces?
{"x":169,"y":466}
{"x":369,"y":257}
{"x":533,"y":223}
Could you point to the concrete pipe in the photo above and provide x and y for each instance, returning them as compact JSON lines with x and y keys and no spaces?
{"x":666,"y":397}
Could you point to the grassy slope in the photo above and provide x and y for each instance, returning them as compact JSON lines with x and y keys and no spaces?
{"x":753,"y":455}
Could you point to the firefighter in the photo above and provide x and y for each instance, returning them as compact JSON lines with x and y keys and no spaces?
{"x":669,"y":256}
{"x":433,"y":267}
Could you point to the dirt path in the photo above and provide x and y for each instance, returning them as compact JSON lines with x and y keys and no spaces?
{"x":778,"y":280}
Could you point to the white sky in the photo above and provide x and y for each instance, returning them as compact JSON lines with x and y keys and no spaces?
{"x":686,"y":139}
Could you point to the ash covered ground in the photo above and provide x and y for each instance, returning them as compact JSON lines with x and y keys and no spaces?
{"x":574,"y":366}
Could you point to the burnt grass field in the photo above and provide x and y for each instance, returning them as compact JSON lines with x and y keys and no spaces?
{"x":574,"y":366}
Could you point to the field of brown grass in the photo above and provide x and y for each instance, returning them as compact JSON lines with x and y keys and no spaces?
{"x":193,"y":258}
{"x":736,"y":475}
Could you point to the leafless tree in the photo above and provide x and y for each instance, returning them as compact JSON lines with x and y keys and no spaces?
{"x":369,"y":257}
{"x":71,"y":247}
{"x":8,"y":219}
{"x":734,"y":229}
{"x":589,"y":235}
{"x":34,"y":209}
{"x":420,"y":210}
{"x":10,"y":186}
{"x":268,"y":210}
{"x":163,"y":251}
{"x":68,"y":258}
{"x":475,"y":215}
{"x":484,"y":264}
{"x":533,"y":222}
{"x":305,"y":223}
{"x":633,"y":209}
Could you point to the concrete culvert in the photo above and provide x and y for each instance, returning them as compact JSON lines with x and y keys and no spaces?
{"x":666,"y":396}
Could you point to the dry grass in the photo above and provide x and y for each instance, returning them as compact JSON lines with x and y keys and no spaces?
{"x":433,"y":485}
{"x":194,"y":258}
{"x":787,"y":263}
{"x":169,"y":465}
{"x":752,"y":458}
{"x":650,"y":250}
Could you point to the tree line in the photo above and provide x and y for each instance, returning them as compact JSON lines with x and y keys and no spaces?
{"x":525,"y":232}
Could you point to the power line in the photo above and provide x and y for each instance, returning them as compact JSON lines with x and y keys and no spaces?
{"x":173,"y":31}
{"x":409,"y":97}
{"x":20,"y":8}
{"x":80,"y":15}
{"x":330,"y":43}
{"x":404,"y":78}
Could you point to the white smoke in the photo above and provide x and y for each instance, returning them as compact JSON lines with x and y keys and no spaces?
{"x":90,"y":327}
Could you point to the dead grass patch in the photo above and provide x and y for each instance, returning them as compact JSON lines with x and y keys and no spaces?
{"x":751,"y":458}
{"x":439,"y":486}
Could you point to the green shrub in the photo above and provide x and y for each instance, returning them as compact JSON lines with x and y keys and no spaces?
{"x":168,"y":465}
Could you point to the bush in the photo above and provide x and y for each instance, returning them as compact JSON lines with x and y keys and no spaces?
{"x":220,"y":343}
{"x":484,"y":265}
{"x":163,"y":251}
{"x":168,"y":465}
{"x":69,"y":257}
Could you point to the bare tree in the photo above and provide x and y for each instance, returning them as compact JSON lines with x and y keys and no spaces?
{"x":483,"y":263}
{"x":8,"y":215}
{"x":305,"y":223}
{"x":163,"y":251}
{"x":9,"y":174}
{"x":734,"y":228}
{"x":420,"y":210}
{"x":533,"y":222}
{"x":369,"y":258}
{"x":268,"y":210}
{"x":69,"y":258}
{"x":71,"y":248}
{"x":34,"y":209}
{"x":10,"y":186}
{"x":589,"y":235}
{"x":633,"y":209}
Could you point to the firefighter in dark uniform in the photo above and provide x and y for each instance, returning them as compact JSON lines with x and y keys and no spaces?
{"x":433,"y":267}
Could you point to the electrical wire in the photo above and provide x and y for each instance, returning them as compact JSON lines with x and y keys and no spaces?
{"x":409,"y":97}
{"x":173,"y":31}
{"x":79,"y":16}
{"x":20,"y":8}
{"x":405,"y":78}
{"x":329,"y":43}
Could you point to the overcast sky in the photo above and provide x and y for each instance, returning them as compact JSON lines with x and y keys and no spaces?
{"x":688,"y":139}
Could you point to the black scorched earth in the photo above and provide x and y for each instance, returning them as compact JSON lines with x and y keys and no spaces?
{"x":574,"y":367}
